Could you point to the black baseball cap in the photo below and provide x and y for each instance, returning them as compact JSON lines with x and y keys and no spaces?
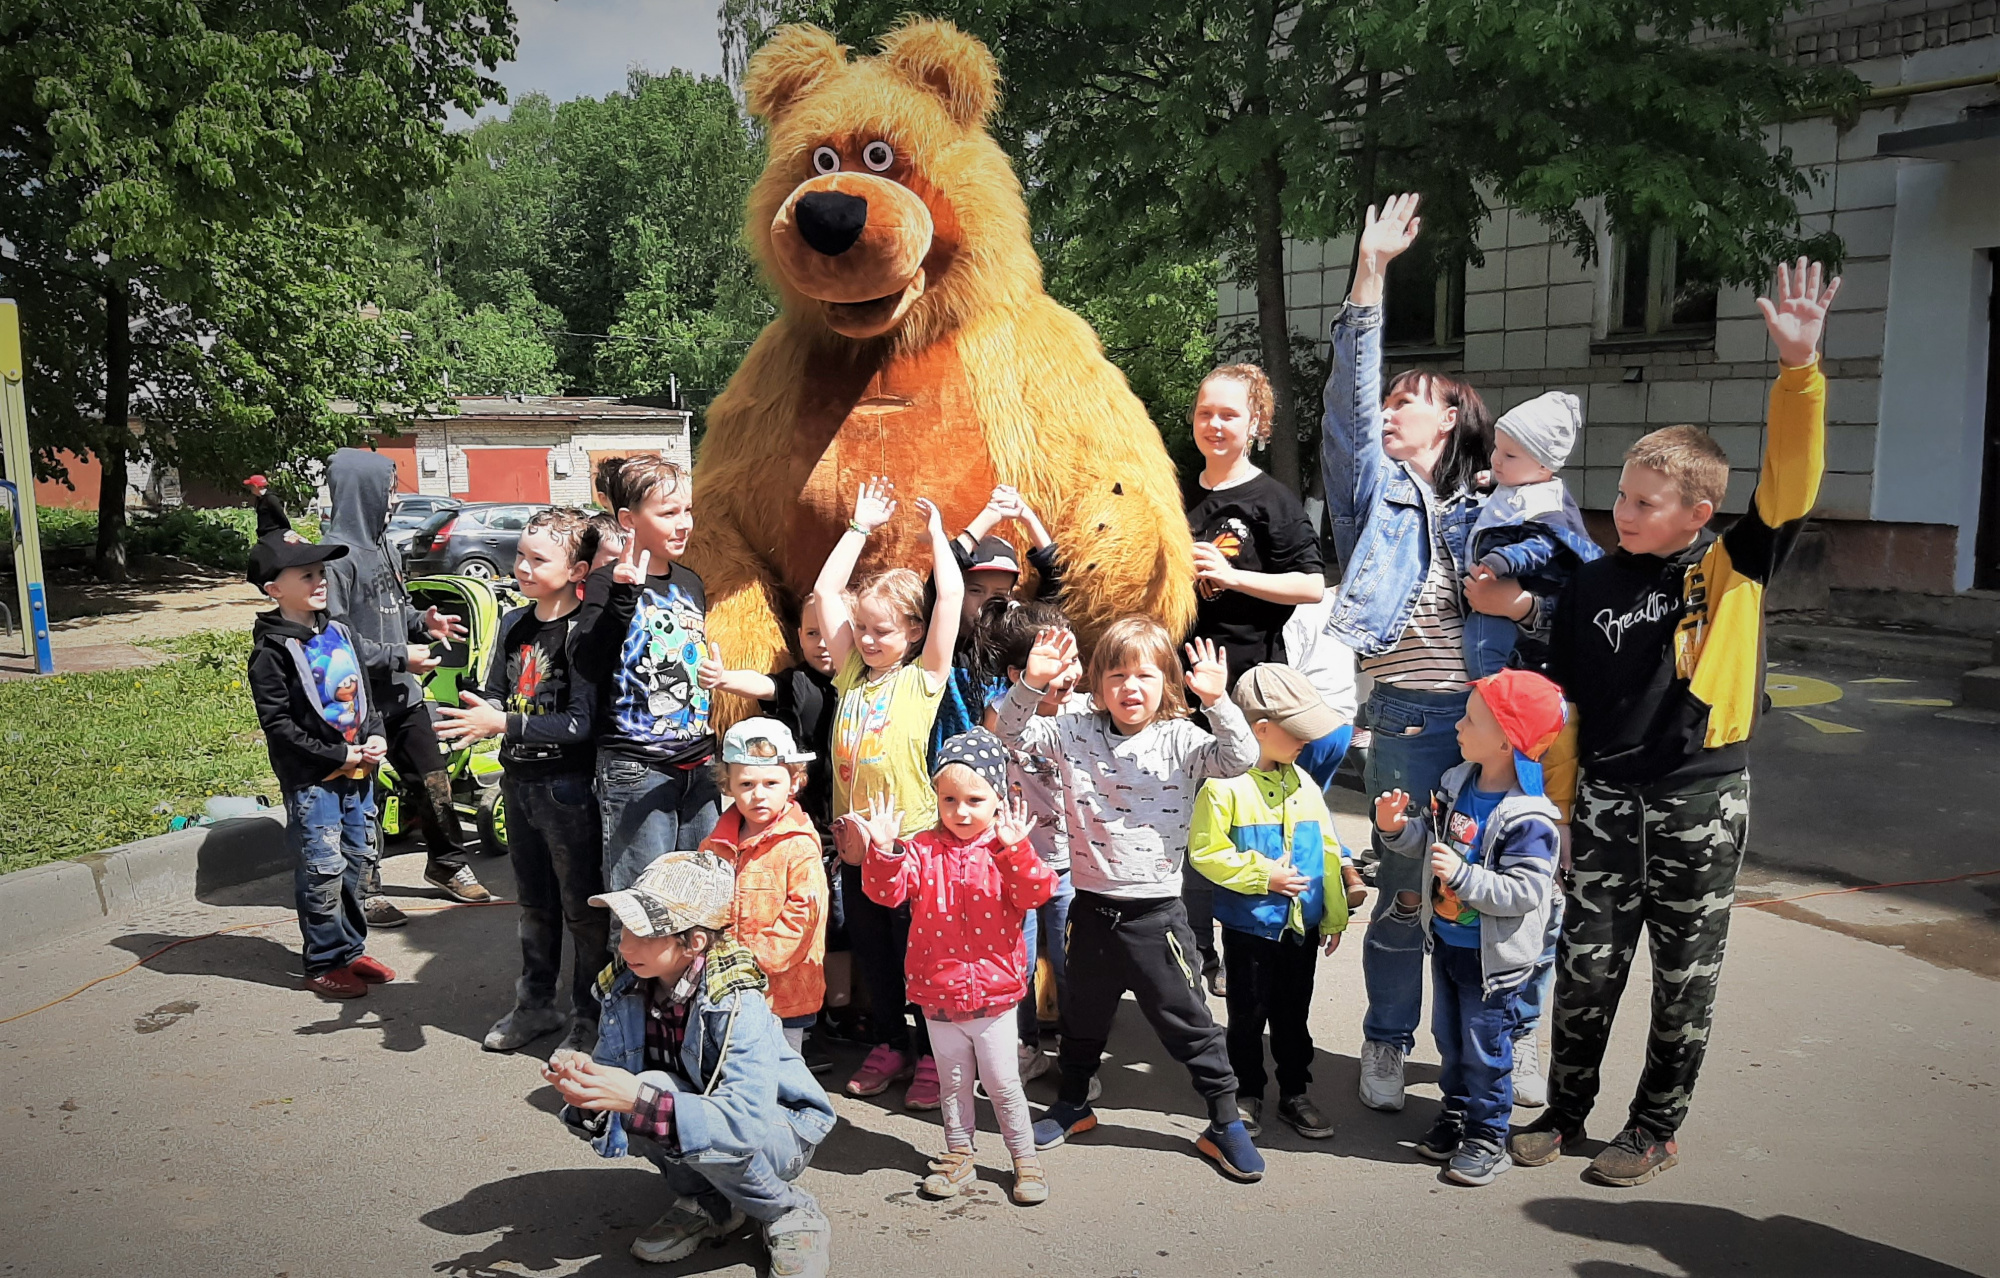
{"x":275,"y":552}
{"x":993,"y":554}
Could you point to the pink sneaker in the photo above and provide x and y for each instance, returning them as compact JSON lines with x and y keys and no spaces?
{"x":924,"y":1093}
{"x":885,"y":1065}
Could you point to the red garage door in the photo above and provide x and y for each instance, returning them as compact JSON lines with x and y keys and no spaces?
{"x":403,"y":452}
{"x":506,"y":474}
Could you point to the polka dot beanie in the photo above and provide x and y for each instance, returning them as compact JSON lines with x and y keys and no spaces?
{"x":979,"y":750}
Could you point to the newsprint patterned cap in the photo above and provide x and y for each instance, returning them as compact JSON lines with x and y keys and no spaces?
{"x":678,"y":891}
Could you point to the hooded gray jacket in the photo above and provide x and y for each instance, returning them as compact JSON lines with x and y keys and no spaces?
{"x":364,"y":589}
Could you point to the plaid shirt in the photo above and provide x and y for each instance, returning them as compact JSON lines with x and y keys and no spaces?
{"x":666,"y":1029}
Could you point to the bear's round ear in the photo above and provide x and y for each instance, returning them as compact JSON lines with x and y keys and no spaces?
{"x":941,"y":59}
{"x":787,"y":66}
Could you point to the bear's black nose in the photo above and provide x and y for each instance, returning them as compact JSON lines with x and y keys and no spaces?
{"x":830,"y":221}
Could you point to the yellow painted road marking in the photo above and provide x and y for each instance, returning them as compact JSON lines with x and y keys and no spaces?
{"x":1823,"y":725}
{"x":1942,"y":702}
{"x":1790,"y":691}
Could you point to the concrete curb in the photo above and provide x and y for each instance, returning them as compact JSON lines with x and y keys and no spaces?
{"x":169,"y":869}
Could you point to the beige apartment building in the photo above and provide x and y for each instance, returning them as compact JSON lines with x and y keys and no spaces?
{"x":1911,"y":499}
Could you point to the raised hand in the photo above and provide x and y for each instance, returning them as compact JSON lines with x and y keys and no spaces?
{"x":1386,"y":235}
{"x":633,"y":564}
{"x":442,"y":626}
{"x":1392,"y":812}
{"x":1015,"y":823}
{"x":1005,"y":503}
{"x":1798,"y":317}
{"x":933,"y":518}
{"x":1055,"y":648}
{"x":875,"y":503}
{"x":1208,"y":674}
{"x":883,"y":821}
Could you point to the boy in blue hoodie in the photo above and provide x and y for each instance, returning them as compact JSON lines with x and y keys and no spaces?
{"x":693,"y":1073}
{"x":1493,"y":844}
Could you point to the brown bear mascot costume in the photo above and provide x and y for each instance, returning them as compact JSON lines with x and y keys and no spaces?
{"x":914,"y":341}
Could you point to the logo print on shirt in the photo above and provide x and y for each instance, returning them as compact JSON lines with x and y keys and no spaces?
{"x":1655,"y":607}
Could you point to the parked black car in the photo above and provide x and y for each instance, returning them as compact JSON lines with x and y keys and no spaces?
{"x":474,"y":540}
{"x":409,"y":512}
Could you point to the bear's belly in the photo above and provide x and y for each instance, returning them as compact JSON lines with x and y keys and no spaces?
{"x":913,"y":416}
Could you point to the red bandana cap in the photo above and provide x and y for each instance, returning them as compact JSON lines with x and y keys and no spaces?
{"x":1529,"y":709}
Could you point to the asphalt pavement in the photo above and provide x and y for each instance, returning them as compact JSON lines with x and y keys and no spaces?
{"x":202,"y":1115}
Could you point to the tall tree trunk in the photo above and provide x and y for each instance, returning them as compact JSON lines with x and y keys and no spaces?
{"x":1274,"y":330}
{"x":116,"y":436}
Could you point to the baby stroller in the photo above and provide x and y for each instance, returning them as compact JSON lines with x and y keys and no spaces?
{"x":474,"y":772}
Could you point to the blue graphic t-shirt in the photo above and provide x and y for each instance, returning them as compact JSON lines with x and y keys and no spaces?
{"x":337,"y":681}
{"x":658,"y":712}
{"x":1455,"y":922}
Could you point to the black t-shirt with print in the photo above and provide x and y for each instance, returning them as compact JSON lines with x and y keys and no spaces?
{"x":1260,"y":526}
{"x":550,"y":707}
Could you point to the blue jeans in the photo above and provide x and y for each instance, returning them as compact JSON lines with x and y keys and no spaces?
{"x":1051,"y":920}
{"x":650,"y":811}
{"x":326,"y":831}
{"x":556,"y":844}
{"x":1414,"y":742}
{"x":763,"y":1186}
{"x":1475,"y":1039}
{"x":1489,"y":644}
{"x":1533,"y":997}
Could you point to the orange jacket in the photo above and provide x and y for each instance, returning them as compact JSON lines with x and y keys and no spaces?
{"x":781,"y":904}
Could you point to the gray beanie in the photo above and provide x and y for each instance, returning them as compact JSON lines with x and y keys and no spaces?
{"x":1546,"y":426}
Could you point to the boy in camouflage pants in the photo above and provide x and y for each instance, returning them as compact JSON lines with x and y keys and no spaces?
{"x":1660,"y":648}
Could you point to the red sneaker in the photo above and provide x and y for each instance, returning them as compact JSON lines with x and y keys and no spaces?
{"x":372,"y":970}
{"x":341,"y":982}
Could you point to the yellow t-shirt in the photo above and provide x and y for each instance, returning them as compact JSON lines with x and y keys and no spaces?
{"x":881,"y":740}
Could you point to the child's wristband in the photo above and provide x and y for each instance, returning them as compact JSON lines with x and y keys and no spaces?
{"x":855,"y":526}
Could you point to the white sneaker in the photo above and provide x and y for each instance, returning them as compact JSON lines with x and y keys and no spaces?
{"x":1096,"y":1090}
{"x":1382,"y":1076}
{"x":1034,"y":1063}
{"x":1531,"y":1087}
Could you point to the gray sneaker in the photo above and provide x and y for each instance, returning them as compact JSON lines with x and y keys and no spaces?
{"x":1251,"y":1111}
{"x":382,"y":913}
{"x":521,"y":1027}
{"x":1382,"y":1076}
{"x":676,"y":1235}
{"x":1477,"y":1162}
{"x":800,"y":1253}
{"x":582,"y":1036}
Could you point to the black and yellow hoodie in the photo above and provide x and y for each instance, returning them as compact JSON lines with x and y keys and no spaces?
{"x":1663,"y":656}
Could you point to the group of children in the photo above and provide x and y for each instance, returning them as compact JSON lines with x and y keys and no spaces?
{"x":945,"y":783}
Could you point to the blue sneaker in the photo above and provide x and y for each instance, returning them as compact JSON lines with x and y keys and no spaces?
{"x":1061,"y":1121}
{"x":1477,"y":1161}
{"x":1232,"y":1151}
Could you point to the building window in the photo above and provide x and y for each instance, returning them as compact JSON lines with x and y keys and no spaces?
{"x":1659,"y":288}
{"x":1425,"y":302}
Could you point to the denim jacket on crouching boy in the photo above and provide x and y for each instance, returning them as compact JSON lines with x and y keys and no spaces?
{"x":737,"y":1075}
{"x":1380,"y":512}
{"x":1511,"y":881}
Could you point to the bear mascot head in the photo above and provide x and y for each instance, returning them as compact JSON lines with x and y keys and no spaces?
{"x":914,"y":341}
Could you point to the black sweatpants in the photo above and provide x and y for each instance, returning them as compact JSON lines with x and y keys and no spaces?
{"x":1270,"y":983}
{"x":421,"y":759}
{"x":1145,"y":947}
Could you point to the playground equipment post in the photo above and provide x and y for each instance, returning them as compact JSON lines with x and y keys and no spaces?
{"x":20,"y":466}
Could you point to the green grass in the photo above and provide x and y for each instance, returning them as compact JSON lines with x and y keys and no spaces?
{"x":92,"y":760}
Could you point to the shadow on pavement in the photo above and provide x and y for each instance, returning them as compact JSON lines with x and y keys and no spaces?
{"x":553,"y":1219}
{"x":1707,"y":1242}
{"x":239,"y":956}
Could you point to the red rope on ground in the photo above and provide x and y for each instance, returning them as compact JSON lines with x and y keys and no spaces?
{"x":234,"y":927}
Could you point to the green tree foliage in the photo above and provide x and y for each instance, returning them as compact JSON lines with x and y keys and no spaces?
{"x":160,"y":158}
{"x":612,"y":226}
{"x":1224,"y":131}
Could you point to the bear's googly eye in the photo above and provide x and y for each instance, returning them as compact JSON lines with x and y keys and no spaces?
{"x":826,"y":160}
{"x":877,"y":156}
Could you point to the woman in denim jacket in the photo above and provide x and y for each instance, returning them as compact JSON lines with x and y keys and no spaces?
{"x":1400,"y":493}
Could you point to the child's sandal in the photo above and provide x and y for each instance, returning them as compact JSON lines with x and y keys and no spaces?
{"x":1031,"y":1186}
{"x":952,"y":1173}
